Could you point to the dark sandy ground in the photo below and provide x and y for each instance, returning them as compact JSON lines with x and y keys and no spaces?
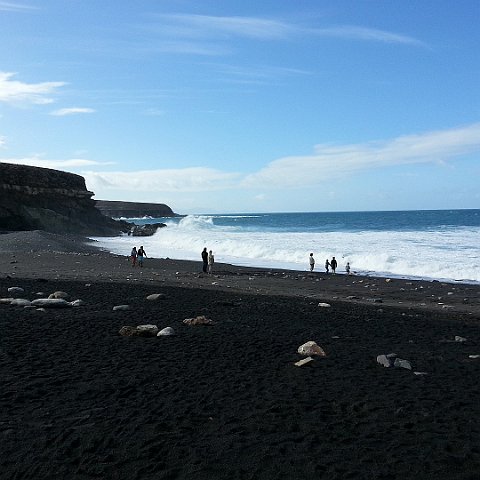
{"x":79,"y":401}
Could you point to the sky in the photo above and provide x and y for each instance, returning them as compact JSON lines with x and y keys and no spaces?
{"x":253,"y":106}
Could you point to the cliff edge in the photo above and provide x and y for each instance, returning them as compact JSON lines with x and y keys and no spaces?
{"x":33,"y":198}
{"x":117,"y":209}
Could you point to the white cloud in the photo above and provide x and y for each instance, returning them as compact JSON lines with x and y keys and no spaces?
{"x":326,"y":163}
{"x":195,"y":179}
{"x":71,"y":111}
{"x":335,"y":161}
{"x":15,"y":92}
{"x":3,"y":141}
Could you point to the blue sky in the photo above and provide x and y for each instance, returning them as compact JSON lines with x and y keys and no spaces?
{"x":252,"y":106}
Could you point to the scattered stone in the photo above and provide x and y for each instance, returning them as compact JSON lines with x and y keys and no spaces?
{"x":156,"y":296}
{"x":140,"y":331}
{"x":420,"y":373}
{"x":311,"y":348}
{"x":304,"y":361}
{"x":150,"y":330}
{"x":324,"y":305}
{"x":352,"y":297}
{"x":388,"y":280}
{"x":20,"y":302}
{"x":59,"y":295}
{"x":386,"y":360}
{"x":121,"y":307}
{"x":200,"y":320}
{"x":51,"y":303}
{"x":15,"y":290}
{"x":167,"y":331}
{"x":474,"y":356}
{"x":128,"y":331}
{"x":460,"y":339}
{"x":400,"y":363}
{"x":6,"y":301}
{"x":77,"y":303}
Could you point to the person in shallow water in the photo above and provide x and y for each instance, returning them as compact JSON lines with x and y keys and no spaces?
{"x":205,"y":259}
{"x":312,"y":262}
{"x":141,"y":255}
{"x":327,"y":265}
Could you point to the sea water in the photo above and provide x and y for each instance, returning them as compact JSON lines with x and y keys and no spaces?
{"x":433,"y":244}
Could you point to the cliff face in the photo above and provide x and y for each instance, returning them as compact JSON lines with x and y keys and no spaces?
{"x":134,"y":209}
{"x":33,"y":198}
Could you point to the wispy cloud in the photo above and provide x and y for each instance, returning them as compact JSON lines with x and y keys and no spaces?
{"x":329,"y":161}
{"x":15,"y":92}
{"x":71,"y":111}
{"x":208,"y":26}
{"x":195,"y":29}
{"x":195,"y":179}
{"x":326,"y":163}
{"x":39,"y":161}
{"x":3,"y":141}
{"x":366,"y":34}
{"x":15,"y":7}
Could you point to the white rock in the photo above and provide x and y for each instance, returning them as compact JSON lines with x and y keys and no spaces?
{"x":460,"y":339}
{"x":58,"y":294}
{"x":166,"y":332}
{"x":121,"y":307}
{"x":6,"y":301}
{"x":77,"y":303}
{"x":152,"y":329}
{"x":156,"y":296}
{"x":474,"y":356}
{"x":324,"y":305}
{"x":304,"y":361}
{"x":51,"y":303}
{"x":15,"y":290}
{"x":420,"y":373}
{"x":20,"y":302}
{"x":386,"y":360}
{"x":311,"y":348}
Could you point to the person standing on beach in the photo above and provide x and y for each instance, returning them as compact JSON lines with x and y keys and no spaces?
{"x":333,"y":264}
{"x":133,"y":256}
{"x":211,"y":261}
{"x":327,"y":265}
{"x":205,"y":259}
{"x":312,"y":262}
{"x":141,"y":254}
{"x":347,"y":268}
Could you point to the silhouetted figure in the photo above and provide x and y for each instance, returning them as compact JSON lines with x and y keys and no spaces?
{"x":205,"y":259}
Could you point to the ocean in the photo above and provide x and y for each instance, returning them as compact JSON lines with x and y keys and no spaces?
{"x":422,"y":244}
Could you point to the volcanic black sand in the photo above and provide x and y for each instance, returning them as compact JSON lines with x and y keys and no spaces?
{"x":80,"y":401}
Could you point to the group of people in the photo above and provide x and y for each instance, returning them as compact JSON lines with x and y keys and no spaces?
{"x":137,"y":256}
{"x":329,"y":264}
{"x":208,"y":260}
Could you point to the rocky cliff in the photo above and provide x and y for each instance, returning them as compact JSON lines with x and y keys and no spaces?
{"x":33,"y":198}
{"x":134,"y":209}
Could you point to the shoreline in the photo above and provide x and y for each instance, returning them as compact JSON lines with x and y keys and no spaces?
{"x":67,"y":257}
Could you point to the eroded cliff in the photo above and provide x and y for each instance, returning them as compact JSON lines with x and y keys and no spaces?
{"x":33,"y":198}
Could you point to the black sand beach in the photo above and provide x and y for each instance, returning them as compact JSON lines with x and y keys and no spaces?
{"x":80,"y":401}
